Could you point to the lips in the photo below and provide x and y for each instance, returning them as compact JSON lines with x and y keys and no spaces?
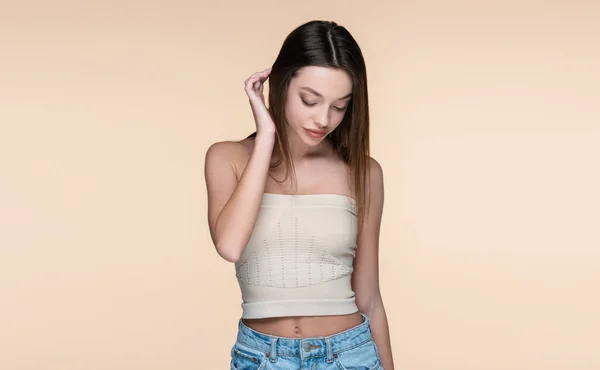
{"x":315,"y":133}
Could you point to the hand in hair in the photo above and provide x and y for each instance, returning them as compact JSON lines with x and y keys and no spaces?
{"x":254,"y":89}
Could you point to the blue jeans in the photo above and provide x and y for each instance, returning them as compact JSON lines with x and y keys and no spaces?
{"x":353,"y":349}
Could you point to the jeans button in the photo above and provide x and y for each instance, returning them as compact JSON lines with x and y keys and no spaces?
{"x":307,"y":347}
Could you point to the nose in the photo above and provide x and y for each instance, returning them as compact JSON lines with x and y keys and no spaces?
{"x":322,"y":119}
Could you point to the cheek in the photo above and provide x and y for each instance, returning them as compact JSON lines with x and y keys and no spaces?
{"x":296,"y":113}
{"x":337,"y":118}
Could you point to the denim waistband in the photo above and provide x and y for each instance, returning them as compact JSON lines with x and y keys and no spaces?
{"x":305,"y":347}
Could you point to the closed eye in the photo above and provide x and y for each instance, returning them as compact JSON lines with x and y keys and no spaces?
{"x":339,"y":109}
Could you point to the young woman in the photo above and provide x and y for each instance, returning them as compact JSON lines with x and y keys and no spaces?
{"x":297,"y":207}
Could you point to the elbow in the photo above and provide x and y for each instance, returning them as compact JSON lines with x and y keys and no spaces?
{"x":233,"y":258}
{"x":228,"y":253}
{"x":229,"y":245}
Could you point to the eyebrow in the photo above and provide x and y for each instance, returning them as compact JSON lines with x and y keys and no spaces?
{"x":320,"y":95}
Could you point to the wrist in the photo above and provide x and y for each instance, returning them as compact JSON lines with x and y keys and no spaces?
{"x":265,"y":137}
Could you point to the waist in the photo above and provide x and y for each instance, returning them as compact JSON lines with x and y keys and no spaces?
{"x":357,"y":331}
{"x":304,"y":326}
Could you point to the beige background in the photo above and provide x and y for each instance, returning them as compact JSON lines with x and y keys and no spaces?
{"x":485,"y":118}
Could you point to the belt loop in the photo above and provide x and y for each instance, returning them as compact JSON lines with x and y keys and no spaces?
{"x":329,"y":350}
{"x":273,"y":353}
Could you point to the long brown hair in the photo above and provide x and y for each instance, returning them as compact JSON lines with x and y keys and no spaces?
{"x":326,"y":44}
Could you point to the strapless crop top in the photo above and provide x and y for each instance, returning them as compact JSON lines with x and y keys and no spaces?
{"x":298,"y":261}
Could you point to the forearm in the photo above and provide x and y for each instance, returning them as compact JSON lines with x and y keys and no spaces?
{"x":381,"y":334}
{"x":236,"y":221}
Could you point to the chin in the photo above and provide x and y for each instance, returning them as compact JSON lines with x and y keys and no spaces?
{"x":312,"y":143}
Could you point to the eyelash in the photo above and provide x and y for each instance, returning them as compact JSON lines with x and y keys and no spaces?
{"x":311,"y":105}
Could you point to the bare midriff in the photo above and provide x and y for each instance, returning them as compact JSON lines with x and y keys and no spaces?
{"x":304,"y":326}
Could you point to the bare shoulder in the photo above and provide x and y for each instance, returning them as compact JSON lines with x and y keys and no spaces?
{"x":376,"y":172}
{"x":232,"y":153}
{"x":376,"y":179}
{"x":227,"y":149}
{"x":375,"y":166}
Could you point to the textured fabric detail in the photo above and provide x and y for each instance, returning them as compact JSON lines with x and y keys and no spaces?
{"x":284,"y":267}
{"x":299,"y":258}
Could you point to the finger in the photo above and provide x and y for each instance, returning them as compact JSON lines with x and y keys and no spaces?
{"x":249,"y":85}
{"x":252,"y":76}
{"x":255,"y":77}
{"x":252,"y":89}
{"x":265,"y":73}
{"x":256,"y":80}
{"x":262,"y":75}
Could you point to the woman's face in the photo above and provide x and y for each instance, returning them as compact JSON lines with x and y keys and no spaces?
{"x":317,"y":99}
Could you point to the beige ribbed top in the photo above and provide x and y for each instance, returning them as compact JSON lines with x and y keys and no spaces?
{"x":298,"y":261}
